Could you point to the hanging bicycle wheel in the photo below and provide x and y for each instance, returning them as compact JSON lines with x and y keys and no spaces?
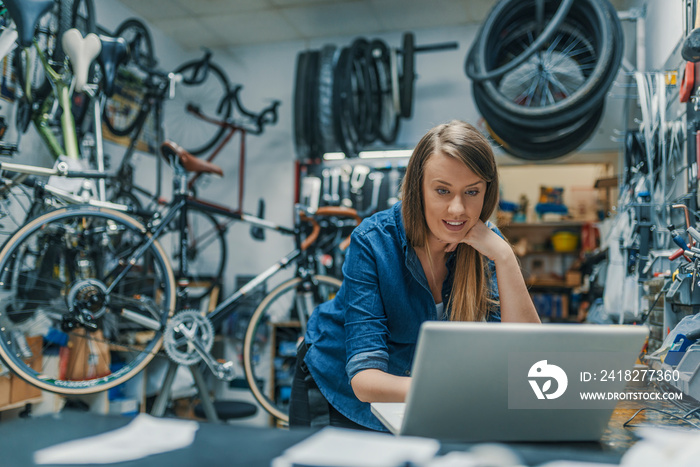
{"x":205,"y":254}
{"x":388,"y":118}
{"x":324,"y":118}
{"x":269,"y":347}
{"x":138,"y":38}
{"x":567,"y":77}
{"x":547,"y":69}
{"x":204,"y":85}
{"x":80,"y":311}
{"x":124,"y":110}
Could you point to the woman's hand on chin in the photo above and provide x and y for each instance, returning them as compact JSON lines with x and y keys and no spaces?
{"x":487,"y":242}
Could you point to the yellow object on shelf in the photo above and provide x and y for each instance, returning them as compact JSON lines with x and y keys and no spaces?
{"x":564,"y":241}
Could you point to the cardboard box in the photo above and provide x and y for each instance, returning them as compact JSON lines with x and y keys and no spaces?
{"x":88,"y":356}
{"x":5,"y":388}
{"x":20,"y":390}
{"x":573,"y":278}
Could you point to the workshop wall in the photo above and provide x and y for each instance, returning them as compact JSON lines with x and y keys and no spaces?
{"x":442,"y":92}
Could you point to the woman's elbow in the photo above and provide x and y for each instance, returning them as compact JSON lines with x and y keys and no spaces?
{"x":359,"y":387}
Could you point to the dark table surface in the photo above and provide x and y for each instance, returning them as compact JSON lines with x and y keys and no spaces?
{"x":221,"y":444}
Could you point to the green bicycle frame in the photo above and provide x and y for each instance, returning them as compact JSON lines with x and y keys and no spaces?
{"x":60,"y":88}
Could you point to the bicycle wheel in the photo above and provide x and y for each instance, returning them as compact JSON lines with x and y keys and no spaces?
{"x":80,"y":312}
{"x":138,"y":38}
{"x":205,"y":255}
{"x":275,"y":323}
{"x":125,"y":109}
{"x":16,"y":202}
{"x":389,"y":118}
{"x":566,"y":78}
{"x":204,"y":85}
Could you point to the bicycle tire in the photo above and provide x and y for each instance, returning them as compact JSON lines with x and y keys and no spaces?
{"x":126,"y":109}
{"x":312,"y":93}
{"x":524,"y":144}
{"x":207,"y":92}
{"x":301,"y":142}
{"x":327,"y":63}
{"x":264,"y":317}
{"x":408,"y":74}
{"x":594,"y":20}
{"x":206,"y":252}
{"x":389,"y":119}
{"x":74,"y":258}
{"x":361,"y":103}
{"x":345,"y":132}
{"x":138,"y":37}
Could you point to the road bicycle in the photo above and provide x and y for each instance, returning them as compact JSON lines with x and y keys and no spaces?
{"x":95,"y":284}
{"x":206,"y":252}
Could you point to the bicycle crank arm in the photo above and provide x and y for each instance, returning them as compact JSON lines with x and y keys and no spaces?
{"x":222,"y":371}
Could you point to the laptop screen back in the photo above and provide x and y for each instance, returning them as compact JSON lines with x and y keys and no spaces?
{"x":516,"y":382}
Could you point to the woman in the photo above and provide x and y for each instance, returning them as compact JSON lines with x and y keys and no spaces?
{"x":432,"y":256}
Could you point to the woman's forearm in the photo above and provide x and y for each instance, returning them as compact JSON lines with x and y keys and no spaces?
{"x":374,"y":385}
{"x":516,"y":304}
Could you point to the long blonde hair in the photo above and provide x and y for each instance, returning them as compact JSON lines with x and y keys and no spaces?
{"x":471,"y":298}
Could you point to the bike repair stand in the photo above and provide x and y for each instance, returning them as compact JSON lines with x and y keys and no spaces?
{"x":163,"y":398}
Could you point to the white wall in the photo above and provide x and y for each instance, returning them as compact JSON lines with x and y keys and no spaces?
{"x":664,"y":29}
{"x":442,"y":92}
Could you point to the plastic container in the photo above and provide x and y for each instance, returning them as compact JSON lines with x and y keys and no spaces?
{"x":564,"y":241}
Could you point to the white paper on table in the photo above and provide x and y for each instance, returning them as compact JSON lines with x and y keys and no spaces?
{"x":337,"y":447}
{"x":143,"y":436}
{"x":664,"y":446}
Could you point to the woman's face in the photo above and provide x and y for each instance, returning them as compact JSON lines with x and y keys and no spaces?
{"x":453,"y":196}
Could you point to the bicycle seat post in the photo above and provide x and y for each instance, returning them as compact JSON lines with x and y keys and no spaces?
{"x":180,"y":177}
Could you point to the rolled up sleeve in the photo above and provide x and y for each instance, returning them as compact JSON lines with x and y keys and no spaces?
{"x":365,"y":319}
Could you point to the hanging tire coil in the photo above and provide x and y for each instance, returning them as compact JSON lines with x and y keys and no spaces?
{"x":541,"y":84}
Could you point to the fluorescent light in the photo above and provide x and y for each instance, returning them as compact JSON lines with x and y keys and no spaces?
{"x":385,"y":154}
{"x":334,"y":156}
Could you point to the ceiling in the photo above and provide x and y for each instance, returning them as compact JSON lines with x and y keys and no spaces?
{"x":234,"y":23}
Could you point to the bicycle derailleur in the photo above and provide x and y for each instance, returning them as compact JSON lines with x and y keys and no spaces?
{"x":87,"y":301}
{"x":188,"y":339}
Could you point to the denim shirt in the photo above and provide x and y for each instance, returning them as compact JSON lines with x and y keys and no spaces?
{"x":374,"y":319}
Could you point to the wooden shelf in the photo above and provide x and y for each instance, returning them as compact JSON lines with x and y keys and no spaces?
{"x":551,"y":252}
{"x":542,"y":225}
{"x":553,"y":283}
{"x":20,"y":404}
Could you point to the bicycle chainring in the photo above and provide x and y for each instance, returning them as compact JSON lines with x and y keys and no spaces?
{"x":177,"y":346}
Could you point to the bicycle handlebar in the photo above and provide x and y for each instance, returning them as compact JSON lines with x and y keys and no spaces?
{"x":337,"y":211}
{"x":267,"y":116}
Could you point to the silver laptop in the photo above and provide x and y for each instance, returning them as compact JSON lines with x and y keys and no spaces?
{"x":515,"y":382}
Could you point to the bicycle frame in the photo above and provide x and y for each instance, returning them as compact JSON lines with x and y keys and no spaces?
{"x":267,"y":115}
{"x":61,"y":89}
